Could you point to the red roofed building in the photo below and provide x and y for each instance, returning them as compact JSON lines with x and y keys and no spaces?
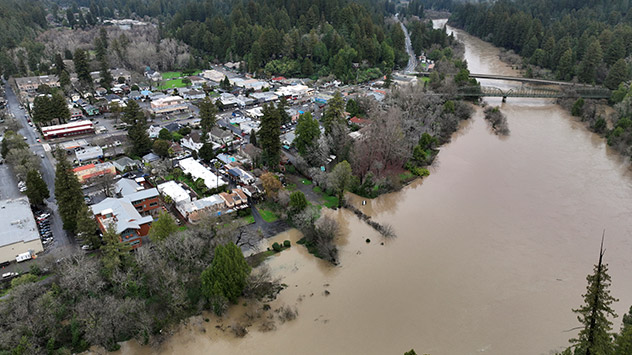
{"x":86,"y":172}
{"x":359,"y":121}
{"x":68,"y":129}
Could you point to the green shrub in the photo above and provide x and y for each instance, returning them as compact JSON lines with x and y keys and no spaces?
{"x":286,"y":243}
{"x":420,"y":171}
{"x":276,"y":247}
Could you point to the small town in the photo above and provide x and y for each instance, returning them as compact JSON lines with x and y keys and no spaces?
{"x":315,"y":177}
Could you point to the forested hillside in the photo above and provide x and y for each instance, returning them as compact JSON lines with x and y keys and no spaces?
{"x":574,"y":38}
{"x":354,"y":40}
{"x":294,"y":37}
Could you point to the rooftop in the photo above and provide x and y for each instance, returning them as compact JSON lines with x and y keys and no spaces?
{"x":17,"y":223}
{"x":126,"y":216}
{"x":175,"y":191}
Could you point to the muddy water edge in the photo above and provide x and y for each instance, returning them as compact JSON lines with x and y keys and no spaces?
{"x":491,"y":256}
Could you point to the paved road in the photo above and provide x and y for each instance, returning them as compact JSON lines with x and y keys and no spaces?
{"x":412,"y":59}
{"x":47,"y":168}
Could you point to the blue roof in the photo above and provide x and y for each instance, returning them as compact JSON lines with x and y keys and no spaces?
{"x":145,"y":92}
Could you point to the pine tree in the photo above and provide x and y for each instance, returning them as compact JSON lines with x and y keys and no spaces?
{"x":269,"y":135}
{"x":134,"y":116}
{"x":307,"y":132}
{"x":595,"y":338}
{"x":334,"y":113}
{"x":618,"y":73}
{"x":67,"y":192}
{"x":114,"y":251}
{"x":226,"y":277}
{"x":59,"y":64}
{"x":623,"y":342}
{"x":87,"y":227}
{"x":82,"y":68}
{"x":208,"y":110}
{"x":281,"y":106}
{"x":36,"y":188}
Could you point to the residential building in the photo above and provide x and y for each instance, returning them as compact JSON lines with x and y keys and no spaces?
{"x":68,"y":129}
{"x":235,"y":200}
{"x":240,"y":175}
{"x":18,"y":231}
{"x":87,"y":172}
{"x":124,"y":187}
{"x":175,"y":191}
{"x":169,"y":104}
{"x":214,"y":75}
{"x":76,"y":114}
{"x":192,"y":141}
{"x":30,"y":84}
{"x":198,"y":171}
{"x":150,"y":158}
{"x":194,"y":211}
{"x":146,"y":202}
{"x":192,"y":94}
{"x":126,"y":163}
{"x":127,"y":222}
{"x":221,"y":136}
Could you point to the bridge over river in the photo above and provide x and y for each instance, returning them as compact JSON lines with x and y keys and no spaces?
{"x":529,"y":92}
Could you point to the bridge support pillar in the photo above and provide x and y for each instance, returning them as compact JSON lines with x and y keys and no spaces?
{"x":504,"y":98}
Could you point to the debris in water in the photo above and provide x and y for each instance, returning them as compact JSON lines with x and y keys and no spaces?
{"x":368,"y":240}
{"x":326,"y":293}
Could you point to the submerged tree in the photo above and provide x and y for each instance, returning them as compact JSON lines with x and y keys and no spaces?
{"x":595,"y":338}
{"x":226,"y":277}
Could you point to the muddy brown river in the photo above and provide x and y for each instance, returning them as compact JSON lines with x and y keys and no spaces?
{"x":492,"y":252}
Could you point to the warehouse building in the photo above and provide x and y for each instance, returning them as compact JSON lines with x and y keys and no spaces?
{"x":18,"y":231}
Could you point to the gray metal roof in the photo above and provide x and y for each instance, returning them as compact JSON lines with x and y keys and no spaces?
{"x":17,"y":223}
{"x":126,"y":215}
{"x":142,"y":195}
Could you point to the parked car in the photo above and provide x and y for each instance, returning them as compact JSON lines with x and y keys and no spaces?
{"x":86,"y":247}
{"x":7,"y":275}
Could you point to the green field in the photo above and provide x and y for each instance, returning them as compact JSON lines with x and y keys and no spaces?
{"x":170,"y":84}
{"x":176,"y":74}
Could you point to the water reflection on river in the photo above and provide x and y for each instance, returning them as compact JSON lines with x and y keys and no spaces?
{"x":492,"y":249}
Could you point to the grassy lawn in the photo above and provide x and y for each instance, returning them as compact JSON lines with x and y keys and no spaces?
{"x":330,"y":201}
{"x":291,"y":187}
{"x":424,"y":79}
{"x":306,"y":182}
{"x":183,"y":228}
{"x":268,"y":215}
{"x":175,"y":83}
{"x":249,"y":219}
{"x":176,"y":74}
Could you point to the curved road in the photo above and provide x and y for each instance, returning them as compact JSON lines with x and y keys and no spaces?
{"x":412,"y":58}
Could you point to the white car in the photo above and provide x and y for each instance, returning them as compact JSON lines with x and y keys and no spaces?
{"x":9,"y":274}
{"x":85,"y":247}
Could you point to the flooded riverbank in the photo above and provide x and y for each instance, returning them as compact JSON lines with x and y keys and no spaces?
{"x":492,"y":251}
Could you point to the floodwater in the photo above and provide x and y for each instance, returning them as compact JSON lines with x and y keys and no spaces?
{"x":491,"y":254}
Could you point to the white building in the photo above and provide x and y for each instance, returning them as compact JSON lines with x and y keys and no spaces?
{"x":294,"y":91}
{"x":175,"y":191}
{"x":198,"y":171}
{"x":18,"y":232}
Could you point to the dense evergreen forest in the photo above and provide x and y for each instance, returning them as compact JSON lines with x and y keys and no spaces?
{"x":354,"y":40}
{"x":585,"y":39}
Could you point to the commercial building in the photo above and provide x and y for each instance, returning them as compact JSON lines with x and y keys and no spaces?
{"x":18,"y":231}
{"x":198,"y":171}
{"x":68,"y":129}
{"x":88,"y":154}
{"x":169,"y":104}
{"x":87,"y":172}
